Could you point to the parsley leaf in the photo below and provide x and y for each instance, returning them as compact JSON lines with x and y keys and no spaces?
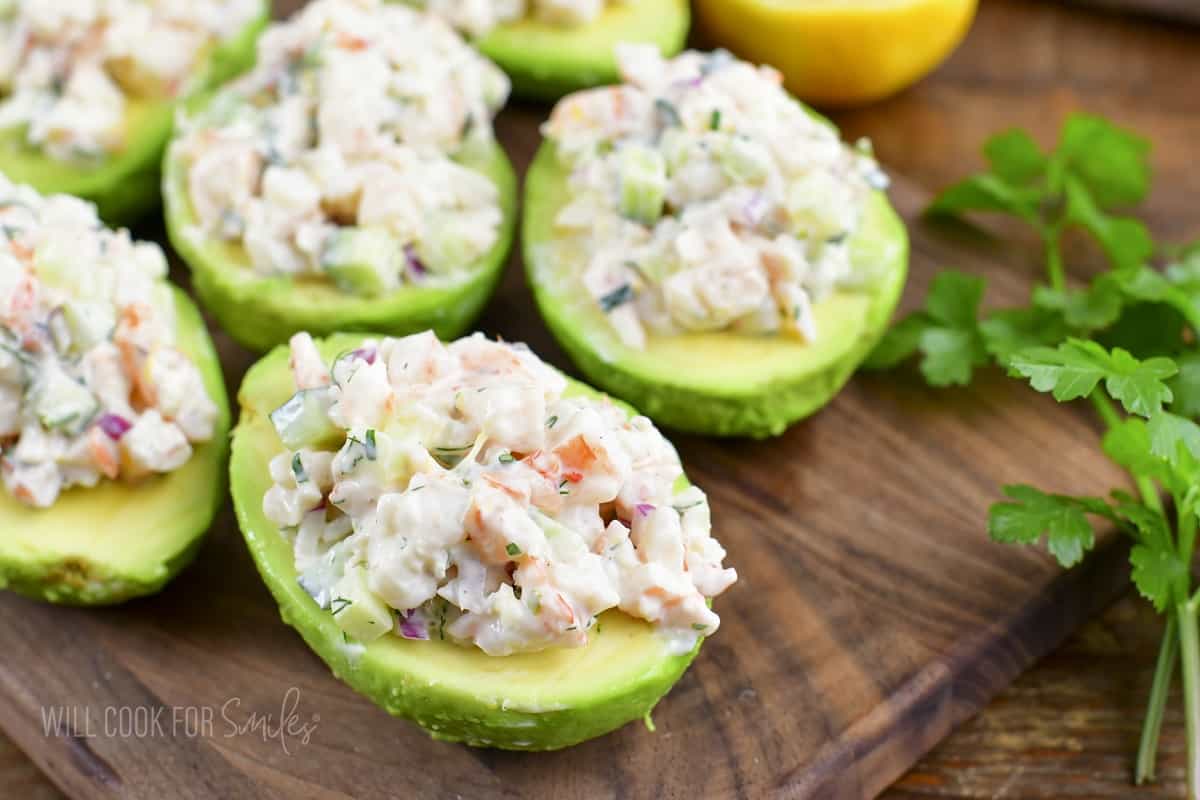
{"x":1109,"y":161}
{"x":988,"y":192}
{"x":1129,"y":445}
{"x":1155,"y":572}
{"x":1175,"y":439}
{"x":1186,"y":385}
{"x":1011,"y":329}
{"x":1089,"y":309}
{"x":1034,"y":513}
{"x":1125,"y":240}
{"x":946,"y":333}
{"x":901,"y":341}
{"x":1014,"y":156}
{"x":1076,"y":366}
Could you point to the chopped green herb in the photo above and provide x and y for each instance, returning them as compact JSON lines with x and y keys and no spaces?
{"x":550,"y":423}
{"x":667,"y":114}
{"x":616,"y":298}
{"x":450,"y":457}
{"x":696,"y":626}
{"x":372,"y":450}
{"x":339,"y":604}
{"x":715,"y":122}
{"x":506,"y":458}
{"x":513,"y":549}
{"x":298,"y":469}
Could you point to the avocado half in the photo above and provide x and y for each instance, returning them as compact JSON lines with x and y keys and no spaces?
{"x":126,"y":185}
{"x":263,"y":311}
{"x":529,"y":701}
{"x":116,"y":541}
{"x":722,"y":384}
{"x":546,"y":61}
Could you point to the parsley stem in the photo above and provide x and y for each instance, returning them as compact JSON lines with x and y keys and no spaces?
{"x":1054,"y":258}
{"x":1189,"y":650}
{"x":1164,"y":671}
{"x":1187,"y":533}
{"x":1112,"y":418}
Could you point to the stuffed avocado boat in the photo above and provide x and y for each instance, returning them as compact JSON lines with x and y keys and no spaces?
{"x":88,"y":90}
{"x":113,"y":415}
{"x":551,"y":47}
{"x":349,"y":181}
{"x":706,"y":248}
{"x":472,"y":540}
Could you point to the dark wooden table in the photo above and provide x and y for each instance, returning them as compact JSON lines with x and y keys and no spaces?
{"x":1068,"y":728}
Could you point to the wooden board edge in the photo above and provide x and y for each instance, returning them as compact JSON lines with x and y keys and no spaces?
{"x":958,"y":685}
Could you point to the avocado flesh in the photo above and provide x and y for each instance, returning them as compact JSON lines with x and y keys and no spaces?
{"x":530,"y":701}
{"x":546,"y":61}
{"x":723,"y":384}
{"x":117,"y":540}
{"x":263,"y":311}
{"x":125,"y":185}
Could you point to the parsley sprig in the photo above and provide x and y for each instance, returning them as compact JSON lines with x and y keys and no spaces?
{"x":1126,"y":342}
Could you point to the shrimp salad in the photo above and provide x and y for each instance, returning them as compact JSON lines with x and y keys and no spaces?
{"x":334,"y":158}
{"x":91,"y":385}
{"x":478,"y":17}
{"x":70,"y":70}
{"x":702,"y":197}
{"x":458,"y":492}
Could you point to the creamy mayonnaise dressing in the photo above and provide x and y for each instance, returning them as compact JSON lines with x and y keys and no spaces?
{"x":69,"y":69}
{"x":702,"y":197}
{"x":456,"y":492}
{"x":333,"y":158}
{"x":91,"y":384}
{"x":478,"y":17}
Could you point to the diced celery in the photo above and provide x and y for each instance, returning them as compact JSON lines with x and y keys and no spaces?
{"x":303,"y":421}
{"x":88,"y":323}
{"x":61,"y":402}
{"x":444,"y":248}
{"x":643,"y":183}
{"x":744,"y":160}
{"x":366,"y":261}
{"x":320,"y":579}
{"x":16,"y":366}
{"x":358,"y":611}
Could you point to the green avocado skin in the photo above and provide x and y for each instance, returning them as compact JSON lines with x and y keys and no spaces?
{"x":84,"y":579}
{"x":443,"y":711}
{"x":759,"y":412}
{"x":125,"y":187}
{"x":261,"y":312}
{"x":546,"y":62}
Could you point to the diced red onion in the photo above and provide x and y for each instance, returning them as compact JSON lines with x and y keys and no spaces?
{"x":644,"y":509}
{"x":114,"y":426}
{"x":415,"y":265}
{"x":367,"y":354}
{"x":411,"y":627}
{"x":755,"y":210}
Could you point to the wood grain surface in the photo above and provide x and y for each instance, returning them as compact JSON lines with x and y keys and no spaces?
{"x":1181,"y":10}
{"x":872,"y":617}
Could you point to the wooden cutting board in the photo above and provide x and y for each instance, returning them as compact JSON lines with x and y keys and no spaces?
{"x":872,"y":614}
